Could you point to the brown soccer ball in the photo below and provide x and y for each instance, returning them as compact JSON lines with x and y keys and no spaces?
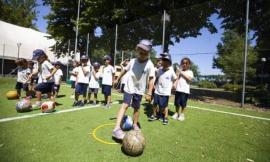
{"x":133,"y":143}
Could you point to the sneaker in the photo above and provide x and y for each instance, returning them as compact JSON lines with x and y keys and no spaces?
{"x":85,"y":102}
{"x":118,"y":134}
{"x":181,"y":117}
{"x":94,"y":102}
{"x":75,"y":103}
{"x":108,"y":106}
{"x":136,"y":127}
{"x":165,"y":122}
{"x":152,"y":118}
{"x":36,"y":105}
{"x":72,"y":96}
{"x":80,"y":104}
{"x":175,"y":116}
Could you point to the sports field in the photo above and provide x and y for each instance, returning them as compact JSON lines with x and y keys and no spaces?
{"x":209,"y":133}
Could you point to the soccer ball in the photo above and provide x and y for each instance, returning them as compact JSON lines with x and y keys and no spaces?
{"x":12,"y":95}
{"x":24,"y":105}
{"x":133,"y":143}
{"x":47,"y":107}
{"x":126,"y":123}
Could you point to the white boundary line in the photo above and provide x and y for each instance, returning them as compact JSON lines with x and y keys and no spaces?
{"x":56,"y":112}
{"x":89,"y":107}
{"x":231,"y":113}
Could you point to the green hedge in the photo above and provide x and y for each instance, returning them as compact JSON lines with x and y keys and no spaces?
{"x":231,"y":87}
{"x":206,"y":84}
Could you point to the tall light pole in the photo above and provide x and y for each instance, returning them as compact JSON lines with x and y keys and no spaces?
{"x":115,"y":44}
{"x":19,"y":46}
{"x":165,"y":17}
{"x":77,"y":26}
{"x":245,"y":56}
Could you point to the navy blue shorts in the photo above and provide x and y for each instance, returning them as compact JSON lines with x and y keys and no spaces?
{"x":22,"y":86}
{"x":93,"y":90}
{"x":45,"y":87}
{"x":106,"y":90}
{"x":133,"y":100}
{"x":56,"y":88}
{"x":181,"y":99}
{"x":161,"y":101}
{"x":81,"y":88}
{"x":72,"y":84}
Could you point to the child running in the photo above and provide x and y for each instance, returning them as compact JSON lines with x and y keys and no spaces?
{"x":165,"y":79}
{"x":94,"y":84}
{"x":141,"y":73}
{"x":182,"y":89}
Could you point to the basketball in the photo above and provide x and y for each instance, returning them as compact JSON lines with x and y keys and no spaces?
{"x":126,"y":123}
{"x":47,"y":107}
{"x":11,"y":95}
{"x":133,"y":143}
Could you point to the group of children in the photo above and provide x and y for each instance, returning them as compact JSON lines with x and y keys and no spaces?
{"x":159,"y":81}
{"x":139,"y":77}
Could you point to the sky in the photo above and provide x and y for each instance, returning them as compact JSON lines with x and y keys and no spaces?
{"x":200,"y":50}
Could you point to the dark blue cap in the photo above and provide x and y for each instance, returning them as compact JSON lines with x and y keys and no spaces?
{"x":58,"y":63}
{"x":107,"y":57}
{"x":84,"y":57}
{"x":166,"y":56}
{"x":37,"y":53}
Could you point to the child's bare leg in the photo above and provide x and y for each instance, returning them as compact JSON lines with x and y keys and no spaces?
{"x":136,"y":114}
{"x":120,"y":115}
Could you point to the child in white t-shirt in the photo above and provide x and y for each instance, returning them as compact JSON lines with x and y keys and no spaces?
{"x":141,"y":73}
{"x":45,"y":71}
{"x":82,"y":81}
{"x":107,"y":80}
{"x":94,"y":83}
{"x":124,"y":78}
{"x":23,"y":73}
{"x":73,"y":76}
{"x":165,"y":79}
{"x":57,"y":78}
{"x":185,"y":76}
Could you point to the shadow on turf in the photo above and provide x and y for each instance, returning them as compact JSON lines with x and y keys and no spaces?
{"x":61,"y":96}
{"x":148,"y":110}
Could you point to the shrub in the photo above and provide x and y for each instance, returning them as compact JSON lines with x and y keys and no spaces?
{"x":206,"y":84}
{"x":231,"y":87}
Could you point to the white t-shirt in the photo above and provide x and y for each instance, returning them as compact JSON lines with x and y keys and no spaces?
{"x":81,"y":78}
{"x":139,"y":74}
{"x":22,"y":74}
{"x":74,"y":71}
{"x":182,"y":84}
{"x":165,"y":82}
{"x":124,"y":78}
{"x":57,"y":76}
{"x":107,"y":75}
{"x":93,"y":81}
{"x":45,"y":71}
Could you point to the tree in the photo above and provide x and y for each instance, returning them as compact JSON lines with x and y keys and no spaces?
{"x":230,"y":57}
{"x":136,"y":20}
{"x":20,"y":13}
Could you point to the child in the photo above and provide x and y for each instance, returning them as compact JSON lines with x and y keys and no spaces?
{"x":94,"y":84}
{"x":22,"y":76}
{"x":182,"y":89}
{"x":82,"y":81}
{"x":141,"y":73}
{"x":165,"y":79}
{"x":124,"y":78}
{"x":73,"y":76}
{"x":107,"y":80}
{"x":46,"y":71}
{"x":57,"y":78}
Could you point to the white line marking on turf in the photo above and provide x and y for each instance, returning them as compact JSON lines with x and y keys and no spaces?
{"x":231,"y":113}
{"x":56,"y":112}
